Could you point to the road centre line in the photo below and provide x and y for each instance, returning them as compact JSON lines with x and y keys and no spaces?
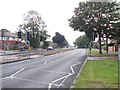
{"x":17,"y":72}
{"x":45,"y":62}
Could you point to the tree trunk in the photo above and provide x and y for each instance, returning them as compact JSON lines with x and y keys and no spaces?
{"x":100,"y":46}
{"x":107,"y":44}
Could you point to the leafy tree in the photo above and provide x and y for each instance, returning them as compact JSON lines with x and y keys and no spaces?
{"x":95,"y":17}
{"x":65,"y":43}
{"x":59,"y":39}
{"x":82,"y":41}
{"x":45,"y":44}
{"x":33,"y":23}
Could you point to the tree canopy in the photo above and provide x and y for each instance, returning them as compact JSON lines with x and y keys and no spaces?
{"x":97,"y":17}
{"x":60,"y":40}
{"x":82,"y":41}
{"x":34,"y":24}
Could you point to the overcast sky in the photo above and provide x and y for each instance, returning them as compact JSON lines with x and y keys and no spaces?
{"x":55,"y":13}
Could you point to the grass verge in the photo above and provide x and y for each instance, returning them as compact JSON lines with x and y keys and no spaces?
{"x":98,"y":74}
{"x":95,"y":53}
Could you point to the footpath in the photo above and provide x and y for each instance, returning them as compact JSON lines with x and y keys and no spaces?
{"x":13,"y":56}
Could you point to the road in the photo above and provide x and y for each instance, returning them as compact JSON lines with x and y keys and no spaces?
{"x":53,"y":71}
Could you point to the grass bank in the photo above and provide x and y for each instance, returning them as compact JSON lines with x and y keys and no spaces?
{"x":98,"y":74}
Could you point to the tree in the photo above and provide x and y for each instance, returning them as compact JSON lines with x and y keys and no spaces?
{"x":34,"y":24}
{"x":59,"y":39}
{"x":65,"y":43}
{"x":82,"y":41}
{"x":95,"y":17}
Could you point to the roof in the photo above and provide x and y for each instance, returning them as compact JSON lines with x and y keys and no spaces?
{"x":7,"y":33}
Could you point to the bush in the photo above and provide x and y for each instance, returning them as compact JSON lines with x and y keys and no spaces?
{"x":104,"y":47}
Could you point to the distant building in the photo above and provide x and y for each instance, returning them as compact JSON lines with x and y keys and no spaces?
{"x":8,"y":40}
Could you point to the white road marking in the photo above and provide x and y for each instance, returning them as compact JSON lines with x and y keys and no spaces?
{"x":50,"y":85}
{"x":16,"y":73}
{"x":45,"y":62}
{"x":71,"y":67}
{"x":4,"y":78}
{"x":62,"y":81}
{"x":64,"y":77}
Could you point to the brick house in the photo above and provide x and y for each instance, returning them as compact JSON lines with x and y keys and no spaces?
{"x":9,"y":40}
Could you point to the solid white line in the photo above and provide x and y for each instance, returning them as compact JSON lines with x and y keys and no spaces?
{"x":17,"y":72}
{"x":45,"y":62}
{"x":4,"y":78}
{"x":50,"y":85}
{"x":71,"y":67}
{"x":59,"y":79}
{"x":62,"y":81}
{"x":79,"y":71}
{"x":72,"y":70}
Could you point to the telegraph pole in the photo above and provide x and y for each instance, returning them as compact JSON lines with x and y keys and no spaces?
{"x":119,"y":66}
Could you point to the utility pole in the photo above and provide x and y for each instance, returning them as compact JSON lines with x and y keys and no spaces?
{"x":119,"y":67}
{"x":92,"y":38}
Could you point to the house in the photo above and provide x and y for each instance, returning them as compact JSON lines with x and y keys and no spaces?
{"x":7,"y":39}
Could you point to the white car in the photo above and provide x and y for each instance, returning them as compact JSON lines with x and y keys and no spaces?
{"x":50,"y":48}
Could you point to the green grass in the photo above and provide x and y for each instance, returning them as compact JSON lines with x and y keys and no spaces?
{"x":95,"y":53}
{"x":98,"y":74}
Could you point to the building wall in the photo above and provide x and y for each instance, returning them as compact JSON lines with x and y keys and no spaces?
{"x":112,"y":49}
{"x":9,"y":40}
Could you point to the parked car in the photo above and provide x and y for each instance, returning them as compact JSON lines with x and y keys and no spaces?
{"x":22,"y":48}
{"x":50,"y":48}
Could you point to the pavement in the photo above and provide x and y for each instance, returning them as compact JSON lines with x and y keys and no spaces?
{"x":103,"y":58}
{"x":8,"y":52}
{"x":13,"y":55}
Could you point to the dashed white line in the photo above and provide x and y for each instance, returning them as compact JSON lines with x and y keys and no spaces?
{"x":45,"y":62}
{"x":17,"y":72}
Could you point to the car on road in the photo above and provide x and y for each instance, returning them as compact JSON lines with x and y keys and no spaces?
{"x":50,"y":48}
{"x":22,"y":48}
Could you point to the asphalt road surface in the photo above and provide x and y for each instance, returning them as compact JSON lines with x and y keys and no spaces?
{"x":53,"y":71}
